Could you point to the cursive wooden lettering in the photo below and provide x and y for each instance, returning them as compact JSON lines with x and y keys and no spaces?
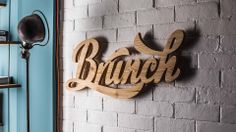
{"x":116,"y":71}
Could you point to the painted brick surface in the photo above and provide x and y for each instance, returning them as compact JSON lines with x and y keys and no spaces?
{"x":121,"y":106}
{"x":91,"y":103}
{"x":174,"y":125}
{"x":203,"y":99}
{"x":215,"y":127}
{"x":135,"y":121}
{"x":228,"y":8}
{"x":155,"y":16}
{"x":154,"y":108}
{"x":197,"y":112}
{"x":223,"y":96}
{"x":163,"y":31}
{"x":117,"y":129}
{"x":120,"y":20}
{"x":85,"y":127}
{"x":102,"y":118}
{"x":88,"y":24}
{"x":228,"y":114}
{"x":203,"y":11}
{"x":108,"y":35}
{"x":105,"y":8}
{"x":174,"y":94}
{"x":166,"y":3}
{"x":134,"y":5}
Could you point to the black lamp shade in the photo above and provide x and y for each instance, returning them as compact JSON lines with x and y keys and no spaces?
{"x":31,"y":29}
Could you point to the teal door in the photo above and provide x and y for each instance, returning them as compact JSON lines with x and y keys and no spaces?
{"x":42,"y":80}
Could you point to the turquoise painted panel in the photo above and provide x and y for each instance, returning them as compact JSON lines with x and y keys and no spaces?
{"x":41,"y":71}
{"x":41,"y":74}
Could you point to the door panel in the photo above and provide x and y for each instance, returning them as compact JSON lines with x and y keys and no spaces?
{"x":42,"y":83}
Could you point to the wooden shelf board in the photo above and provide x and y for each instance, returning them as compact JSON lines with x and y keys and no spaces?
{"x":9,"y":42}
{"x":2,"y":86}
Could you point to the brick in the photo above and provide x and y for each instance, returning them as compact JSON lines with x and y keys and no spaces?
{"x":86,"y":24}
{"x":155,"y":16}
{"x":154,"y":108}
{"x":144,"y":131}
{"x":73,"y":38}
{"x":128,"y":34}
{"x":120,"y":20}
{"x":163,"y":31}
{"x":104,"y":8}
{"x":109,"y":35}
{"x":229,"y":79}
{"x":75,"y":13}
{"x":135,"y":121}
{"x":217,"y":27}
{"x":197,"y":112}
{"x":68,"y":26}
{"x":166,"y":3}
{"x":133,"y":5}
{"x":228,"y":44}
{"x":210,"y":61}
{"x":217,"y":1}
{"x":173,"y":94}
{"x":67,"y":126}
{"x":196,"y":44}
{"x":86,"y":127}
{"x":201,"y":78}
{"x":215,"y":127}
{"x":91,"y":103}
{"x":102,"y":118}
{"x":201,"y":11}
{"x":210,"y":27}
{"x":74,"y":114}
{"x":68,"y":101}
{"x":228,"y":114}
{"x":228,"y":8}
{"x":173,"y":125}
{"x":116,"y":129}
{"x":221,"y":96}
{"x":115,"y":105}
{"x":85,"y":2}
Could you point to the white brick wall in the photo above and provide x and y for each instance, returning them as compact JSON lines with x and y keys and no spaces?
{"x":203,"y":99}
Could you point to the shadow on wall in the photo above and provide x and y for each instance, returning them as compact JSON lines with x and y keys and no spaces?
{"x":183,"y":62}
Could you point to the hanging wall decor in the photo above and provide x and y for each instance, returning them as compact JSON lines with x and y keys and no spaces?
{"x":111,"y":76}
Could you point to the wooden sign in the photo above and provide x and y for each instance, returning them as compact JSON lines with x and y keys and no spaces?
{"x":107,"y":77}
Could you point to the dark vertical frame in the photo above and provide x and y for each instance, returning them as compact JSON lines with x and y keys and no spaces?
{"x":58,"y":124}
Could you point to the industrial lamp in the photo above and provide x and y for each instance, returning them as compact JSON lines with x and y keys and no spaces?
{"x":32,"y":30}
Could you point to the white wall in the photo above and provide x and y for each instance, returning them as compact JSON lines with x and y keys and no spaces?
{"x":204,"y":97}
